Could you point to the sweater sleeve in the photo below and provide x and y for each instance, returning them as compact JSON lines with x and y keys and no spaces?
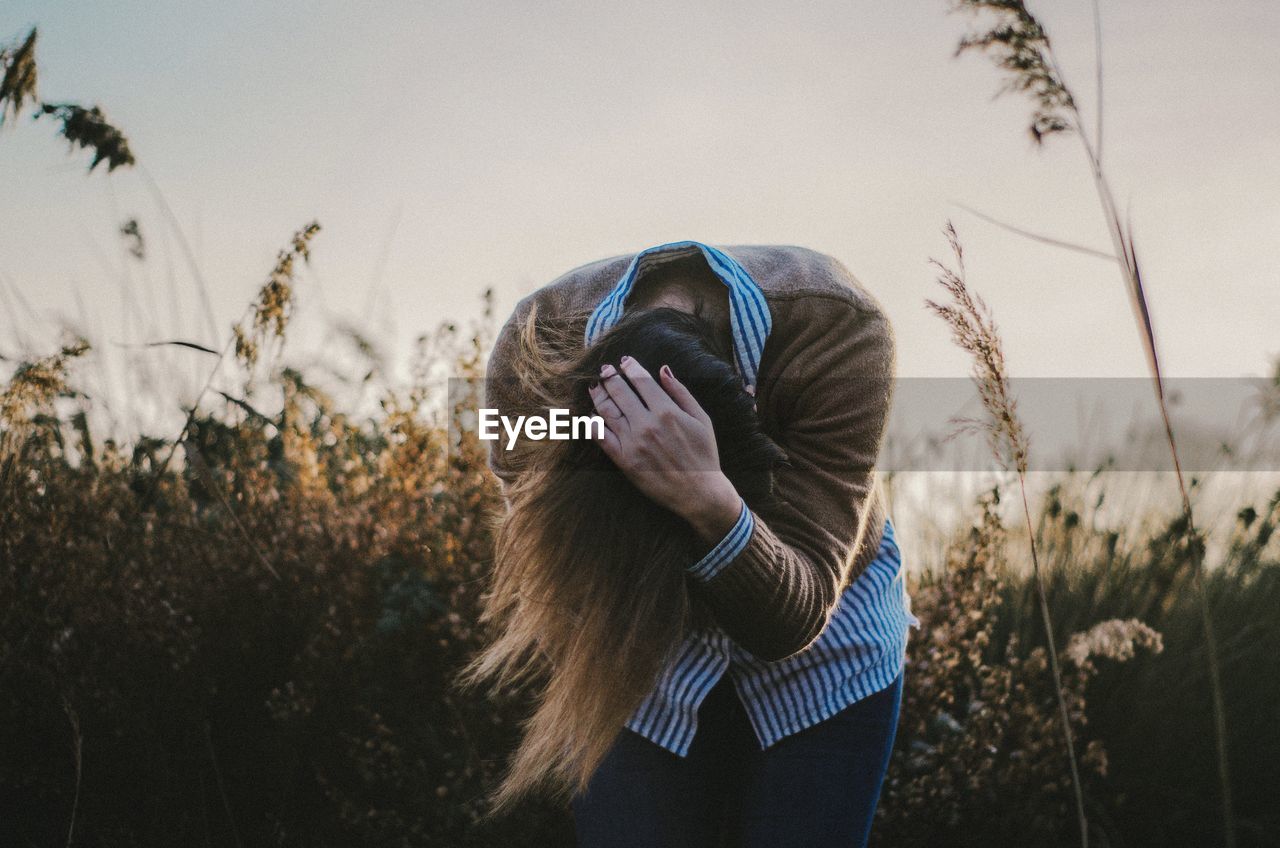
{"x":775,"y":579}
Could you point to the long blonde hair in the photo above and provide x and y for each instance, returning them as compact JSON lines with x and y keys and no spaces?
{"x":589,"y":597}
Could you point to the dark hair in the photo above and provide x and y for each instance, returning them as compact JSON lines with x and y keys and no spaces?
{"x":589,"y":596}
{"x":687,"y":345}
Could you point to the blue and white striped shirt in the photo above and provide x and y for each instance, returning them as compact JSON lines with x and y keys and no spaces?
{"x":863,"y":648}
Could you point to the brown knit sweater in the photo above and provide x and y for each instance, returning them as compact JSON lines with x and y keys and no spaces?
{"x":824,"y":391}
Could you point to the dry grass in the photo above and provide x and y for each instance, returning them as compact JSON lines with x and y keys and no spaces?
{"x":1020,"y":46}
{"x":973,"y":328}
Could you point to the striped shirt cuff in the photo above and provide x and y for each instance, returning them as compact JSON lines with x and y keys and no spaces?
{"x":728,"y":548}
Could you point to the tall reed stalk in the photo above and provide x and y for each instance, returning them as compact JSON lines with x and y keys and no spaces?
{"x":1020,"y":46}
{"x":270,"y":312}
{"x":973,"y":329}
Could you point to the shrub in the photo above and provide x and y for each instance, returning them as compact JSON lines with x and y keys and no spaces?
{"x":979,"y":759}
{"x":257,"y":647}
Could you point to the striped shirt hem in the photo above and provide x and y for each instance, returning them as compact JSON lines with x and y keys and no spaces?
{"x":868,"y":682}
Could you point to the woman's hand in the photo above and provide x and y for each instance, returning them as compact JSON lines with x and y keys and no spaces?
{"x":663,"y":441}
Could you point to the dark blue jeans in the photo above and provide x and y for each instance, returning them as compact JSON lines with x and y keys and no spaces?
{"x":818,"y":787}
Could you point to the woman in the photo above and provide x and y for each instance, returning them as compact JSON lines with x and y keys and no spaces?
{"x":708,"y":597}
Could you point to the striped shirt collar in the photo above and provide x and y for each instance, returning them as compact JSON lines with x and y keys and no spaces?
{"x":749,"y":316}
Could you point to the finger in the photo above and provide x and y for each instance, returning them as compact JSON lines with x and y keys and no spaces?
{"x":682,"y":397}
{"x":610,"y":444}
{"x":653,"y":395}
{"x":609,"y":411}
{"x":623,"y":395}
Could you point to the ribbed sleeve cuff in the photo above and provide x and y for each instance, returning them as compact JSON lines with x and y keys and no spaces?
{"x":728,"y":548}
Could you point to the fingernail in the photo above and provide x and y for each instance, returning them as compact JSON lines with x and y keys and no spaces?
{"x":666,"y":372}
{"x":606,"y":370}
{"x":594,"y":385}
{"x":627,"y":359}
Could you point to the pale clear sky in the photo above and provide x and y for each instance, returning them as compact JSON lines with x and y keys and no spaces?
{"x":450,"y":146}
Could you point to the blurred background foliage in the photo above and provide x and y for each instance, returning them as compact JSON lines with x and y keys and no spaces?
{"x":256,"y":646}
